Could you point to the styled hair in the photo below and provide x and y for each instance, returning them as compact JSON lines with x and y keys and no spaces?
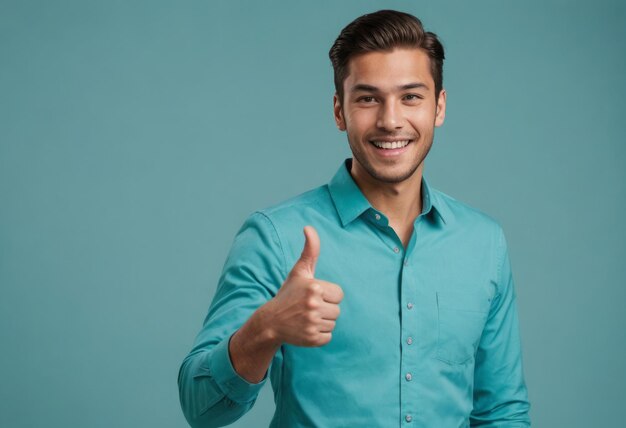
{"x":383,"y":31}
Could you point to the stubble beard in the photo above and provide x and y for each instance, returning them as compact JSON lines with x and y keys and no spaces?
{"x":363,"y":160}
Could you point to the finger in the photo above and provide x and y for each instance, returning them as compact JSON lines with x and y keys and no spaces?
{"x":324,"y":338}
{"x":326,"y":326}
{"x":329,"y":311}
{"x":331,"y":293}
{"x":305,"y":266}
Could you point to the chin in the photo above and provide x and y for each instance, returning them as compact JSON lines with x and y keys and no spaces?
{"x":392,"y":177}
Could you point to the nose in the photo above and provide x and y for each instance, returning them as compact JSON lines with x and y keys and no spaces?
{"x":390,"y":117}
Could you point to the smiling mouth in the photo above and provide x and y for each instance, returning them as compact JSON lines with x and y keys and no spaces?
{"x":389,"y":145}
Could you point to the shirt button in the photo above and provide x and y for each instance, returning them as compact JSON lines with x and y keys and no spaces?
{"x":408,"y":377}
{"x":406,"y":262}
{"x":409,"y":305}
{"x":396,"y":250}
{"x":409,"y":340}
{"x":408,"y":418}
{"x":377,"y":216}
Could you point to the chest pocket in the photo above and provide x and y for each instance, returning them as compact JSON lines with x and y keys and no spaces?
{"x":461,"y":319}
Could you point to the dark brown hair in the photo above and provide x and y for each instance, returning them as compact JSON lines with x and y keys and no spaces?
{"x":383,"y":31}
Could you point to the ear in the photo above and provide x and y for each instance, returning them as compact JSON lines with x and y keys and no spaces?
{"x":440,"y":114}
{"x":338,"y":113}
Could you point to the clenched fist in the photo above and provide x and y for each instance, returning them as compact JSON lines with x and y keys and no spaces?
{"x":305,"y":309}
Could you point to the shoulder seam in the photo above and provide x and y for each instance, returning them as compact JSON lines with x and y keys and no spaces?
{"x":280,"y":244}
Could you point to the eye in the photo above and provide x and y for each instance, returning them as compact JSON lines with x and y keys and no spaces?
{"x":366,"y":99}
{"x":413,"y":97}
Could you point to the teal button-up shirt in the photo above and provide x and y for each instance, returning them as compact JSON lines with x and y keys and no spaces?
{"x":427,"y":335}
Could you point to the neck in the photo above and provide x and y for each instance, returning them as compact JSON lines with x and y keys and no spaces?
{"x":400,"y":202}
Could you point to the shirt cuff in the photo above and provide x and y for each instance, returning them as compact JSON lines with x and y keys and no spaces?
{"x":234,"y":386}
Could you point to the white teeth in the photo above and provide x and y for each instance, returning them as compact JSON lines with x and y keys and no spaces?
{"x":390,"y":145}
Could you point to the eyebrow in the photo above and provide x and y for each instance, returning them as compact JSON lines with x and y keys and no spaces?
{"x":369,"y":88}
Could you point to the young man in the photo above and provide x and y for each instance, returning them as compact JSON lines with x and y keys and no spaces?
{"x":396,"y":307}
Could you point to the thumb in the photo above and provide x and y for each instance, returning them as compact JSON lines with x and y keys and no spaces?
{"x":305,"y":266}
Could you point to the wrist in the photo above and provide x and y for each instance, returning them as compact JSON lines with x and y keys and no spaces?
{"x":252,"y":347}
{"x":263,"y":325}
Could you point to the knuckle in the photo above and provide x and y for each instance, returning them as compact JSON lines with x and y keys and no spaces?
{"x":312,"y":303}
{"x":314,"y":288}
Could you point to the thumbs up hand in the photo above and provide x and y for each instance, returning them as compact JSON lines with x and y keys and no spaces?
{"x":305,"y":309}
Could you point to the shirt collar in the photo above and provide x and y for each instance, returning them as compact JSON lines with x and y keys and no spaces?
{"x":351,"y":203}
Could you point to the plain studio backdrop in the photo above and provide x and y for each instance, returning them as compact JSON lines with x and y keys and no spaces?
{"x":135,"y":137}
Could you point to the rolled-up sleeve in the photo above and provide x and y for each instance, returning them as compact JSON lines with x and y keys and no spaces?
{"x":212,"y":393}
{"x":500,"y":393}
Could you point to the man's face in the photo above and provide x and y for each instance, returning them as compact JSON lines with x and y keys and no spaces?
{"x":389,"y":99}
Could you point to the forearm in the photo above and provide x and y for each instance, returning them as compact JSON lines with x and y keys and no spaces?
{"x":212,"y":391}
{"x":203,"y":403}
{"x":253,"y":346}
{"x":217,"y":388}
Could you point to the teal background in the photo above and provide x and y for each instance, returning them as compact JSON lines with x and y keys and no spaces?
{"x":135,"y":137}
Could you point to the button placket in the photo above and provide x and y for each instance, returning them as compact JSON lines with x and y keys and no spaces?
{"x":408,"y":355}
{"x":409,"y":391}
